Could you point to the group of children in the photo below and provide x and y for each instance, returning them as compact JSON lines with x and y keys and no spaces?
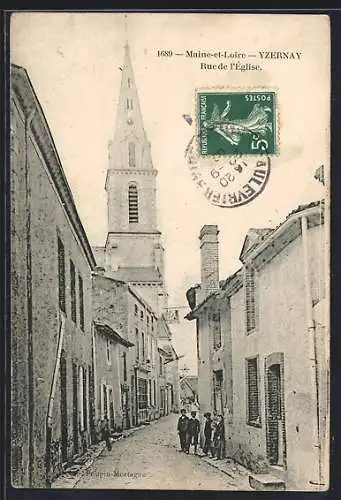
{"x":214,"y":434}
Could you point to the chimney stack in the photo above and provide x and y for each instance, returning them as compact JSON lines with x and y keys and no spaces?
{"x":209,"y":259}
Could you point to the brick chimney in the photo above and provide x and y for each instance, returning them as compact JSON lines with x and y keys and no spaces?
{"x":209,"y":259}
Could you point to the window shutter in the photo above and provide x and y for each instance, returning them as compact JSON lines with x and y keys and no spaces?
{"x":61,"y":274}
{"x":250,"y":303}
{"x":253,"y":399}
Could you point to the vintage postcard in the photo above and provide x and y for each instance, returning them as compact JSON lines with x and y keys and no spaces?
{"x":169,"y":226}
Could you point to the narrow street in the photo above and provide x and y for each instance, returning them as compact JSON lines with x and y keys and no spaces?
{"x":149,"y":459}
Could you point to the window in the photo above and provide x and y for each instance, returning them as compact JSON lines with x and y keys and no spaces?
{"x":141,"y":314}
{"x":131,"y":154}
{"x":137,"y":344}
{"x":150,"y":393}
{"x":131,"y":104}
{"x":125,"y":366}
{"x":129,"y":82}
{"x":143,"y":347}
{"x":61,"y":274}
{"x":142,"y":393}
{"x":161,"y":364}
{"x":216,"y":327}
{"x":81,"y":396}
{"x":148,"y":320}
{"x":81,"y":302}
{"x":108,"y":352}
{"x":136,"y":310}
{"x":85,"y":392}
{"x":250,"y":302}
{"x":198,"y":339}
{"x":154,"y":393}
{"x":127,"y":103}
{"x":73,"y":291}
{"x":253,"y":413}
{"x":133,"y":204}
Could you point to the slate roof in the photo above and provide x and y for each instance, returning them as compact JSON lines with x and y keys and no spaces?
{"x":107,"y":330}
{"x":137,"y":274}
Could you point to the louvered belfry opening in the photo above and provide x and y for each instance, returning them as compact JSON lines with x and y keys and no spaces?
{"x":133,"y":204}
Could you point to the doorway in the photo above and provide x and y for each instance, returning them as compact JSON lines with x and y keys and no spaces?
{"x":63,"y":406}
{"x":275,"y":416}
{"x":218,"y":379}
{"x":75,"y":408}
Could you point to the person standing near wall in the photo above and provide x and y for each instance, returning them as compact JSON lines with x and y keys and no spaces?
{"x":183,"y":429}
{"x":219,"y":439}
{"x":207,"y":433}
{"x":193,"y":432}
{"x":106,"y":432}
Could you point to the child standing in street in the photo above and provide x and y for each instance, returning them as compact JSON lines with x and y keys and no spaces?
{"x":193,"y":432}
{"x":219,"y":438}
{"x":182,"y":430}
{"x":207,"y":433}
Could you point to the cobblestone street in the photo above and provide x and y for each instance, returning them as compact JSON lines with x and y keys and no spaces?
{"x":149,"y":459}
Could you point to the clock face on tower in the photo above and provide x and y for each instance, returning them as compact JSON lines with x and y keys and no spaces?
{"x":130,"y":121}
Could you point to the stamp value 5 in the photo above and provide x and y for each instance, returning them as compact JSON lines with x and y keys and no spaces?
{"x":234,"y":123}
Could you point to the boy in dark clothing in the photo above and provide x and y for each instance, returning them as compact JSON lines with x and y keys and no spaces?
{"x":193,"y":432}
{"x":219,"y":438}
{"x":105,"y":428}
{"x":207,"y":433}
{"x":182,"y":430}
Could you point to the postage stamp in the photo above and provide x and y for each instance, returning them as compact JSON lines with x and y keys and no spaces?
{"x":232,"y":123}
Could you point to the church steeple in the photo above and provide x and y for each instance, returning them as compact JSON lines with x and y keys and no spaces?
{"x":130,"y":183}
{"x":129,"y":148}
{"x":133,"y":250}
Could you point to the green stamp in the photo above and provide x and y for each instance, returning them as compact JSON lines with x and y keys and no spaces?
{"x":231,"y":123}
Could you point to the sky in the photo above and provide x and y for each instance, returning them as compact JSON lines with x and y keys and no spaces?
{"x":73,"y":62}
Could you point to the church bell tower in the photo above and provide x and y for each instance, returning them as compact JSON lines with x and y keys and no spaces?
{"x":133,"y":239}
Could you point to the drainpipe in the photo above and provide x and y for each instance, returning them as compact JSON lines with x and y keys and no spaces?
{"x":94,"y":370}
{"x":312,"y":352}
{"x":30,"y":394}
{"x":136,"y":399}
{"x":52,"y":396}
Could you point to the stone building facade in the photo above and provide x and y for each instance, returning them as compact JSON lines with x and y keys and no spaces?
{"x":111,"y":351}
{"x":119,"y":305}
{"x":85,"y":338}
{"x":263,"y":350}
{"x":51,"y":314}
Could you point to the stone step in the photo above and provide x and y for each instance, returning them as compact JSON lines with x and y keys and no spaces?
{"x":266,"y":482}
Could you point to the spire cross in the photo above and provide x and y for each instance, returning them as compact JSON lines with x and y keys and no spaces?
{"x":126,"y":30}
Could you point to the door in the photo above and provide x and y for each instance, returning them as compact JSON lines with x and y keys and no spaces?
{"x":111,"y":409}
{"x":274,"y":415}
{"x":63,"y":406}
{"x":75,"y":408}
{"x":218,"y":392}
{"x":105,"y":400}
